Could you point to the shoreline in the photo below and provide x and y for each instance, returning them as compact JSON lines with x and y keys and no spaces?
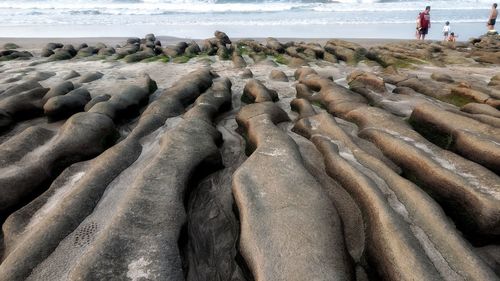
{"x":377,"y":31}
{"x":40,"y":42}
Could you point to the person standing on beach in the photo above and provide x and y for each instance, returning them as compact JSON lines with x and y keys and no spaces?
{"x":493,"y":17}
{"x":425,"y":23}
{"x":446,"y":30}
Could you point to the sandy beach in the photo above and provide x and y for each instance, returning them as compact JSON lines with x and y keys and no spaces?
{"x":355,"y":31}
{"x":165,"y":158}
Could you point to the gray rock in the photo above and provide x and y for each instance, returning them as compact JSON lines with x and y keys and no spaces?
{"x":86,"y":52}
{"x":280,"y":216}
{"x":255,"y":91}
{"x":58,"y":90}
{"x":275,"y":45}
{"x":100,"y":46}
{"x":126,"y":50}
{"x":278,"y":75}
{"x":106,"y":51}
{"x":133,"y":40}
{"x":41,"y":75}
{"x":96,"y":100}
{"x":246,"y":74}
{"x":72,"y":74}
{"x":19,"y":88}
{"x":141,"y":55}
{"x":61,"y":55}
{"x":173,"y":100}
{"x":46,"y":53}
{"x":128,"y":102}
{"x":82,"y":46}
{"x":193,"y":49}
{"x":70,"y":49}
{"x":442,"y":77}
{"x":53,"y":46}
{"x":25,"y":105}
{"x":238,"y":60}
{"x":91,"y":76}
{"x":391,"y":136}
{"x":150,"y":37}
{"x":81,"y":137}
{"x":222,"y":37}
{"x":10,"y":46}
{"x":60,"y":107}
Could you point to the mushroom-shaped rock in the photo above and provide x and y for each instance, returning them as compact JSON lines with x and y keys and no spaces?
{"x":150,"y":37}
{"x":61,"y":55}
{"x":275,"y":45}
{"x":192,"y":49}
{"x":134,"y":40}
{"x":70,"y":49}
{"x":222,"y":37}
{"x":141,"y":55}
{"x":86,"y":52}
{"x":53,"y":46}
{"x":255,"y":91}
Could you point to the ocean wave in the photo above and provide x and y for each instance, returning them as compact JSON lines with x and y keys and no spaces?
{"x":85,"y":12}
{"x":203,"y":8}
{"x":30,"y":4}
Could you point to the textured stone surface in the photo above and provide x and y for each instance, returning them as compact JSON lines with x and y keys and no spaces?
{"x":371,"y":164}
{"x":278,"y":204}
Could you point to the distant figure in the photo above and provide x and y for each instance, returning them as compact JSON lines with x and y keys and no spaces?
{"x":425,"y":23}
{"x":493,"y":17}
{"x":446,"y":30}
{"x":417,"y":32}
{"x":452,"y":37}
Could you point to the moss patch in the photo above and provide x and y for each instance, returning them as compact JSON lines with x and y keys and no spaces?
{"x":243,"y":50}
{"x":182,"y":59}
{"x":10,"y":46}
{"x":281,"y":59}
{"x":161,"y":58}
{"x":318,"y":104}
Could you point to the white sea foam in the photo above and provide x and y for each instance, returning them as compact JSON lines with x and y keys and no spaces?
{"x":288,"y":15}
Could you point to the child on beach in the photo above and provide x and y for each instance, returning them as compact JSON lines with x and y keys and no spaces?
{"x":417,"y":32}
{"x":452,"y":37}
{"x":446,"y":30}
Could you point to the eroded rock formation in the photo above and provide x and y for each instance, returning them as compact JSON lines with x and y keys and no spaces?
{"x":330,"y":171}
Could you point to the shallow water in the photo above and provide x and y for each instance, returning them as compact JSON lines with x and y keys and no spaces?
{"x":240,"y":18}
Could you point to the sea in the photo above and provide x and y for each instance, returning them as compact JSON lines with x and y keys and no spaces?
{"x":239,"y":18}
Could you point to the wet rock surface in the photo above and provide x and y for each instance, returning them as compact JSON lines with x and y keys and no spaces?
{"x":250,"y":160}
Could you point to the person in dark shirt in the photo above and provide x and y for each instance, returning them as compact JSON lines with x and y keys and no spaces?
{"x":425,"y":23}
